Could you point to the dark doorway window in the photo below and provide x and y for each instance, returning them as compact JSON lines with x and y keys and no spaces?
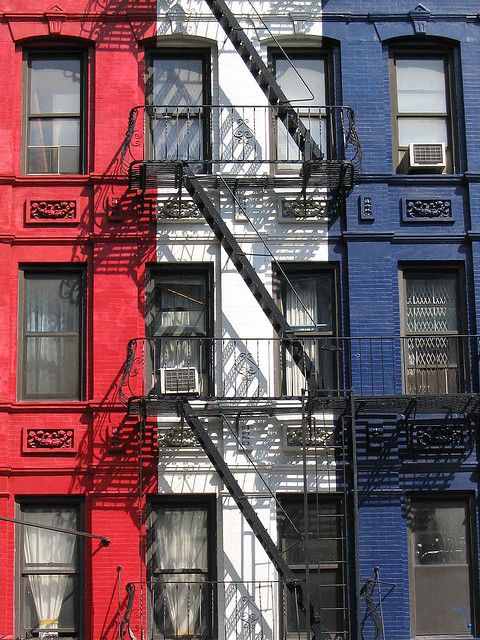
{"x":324,"y":554}
{"x":441,"y":566}
{"x":181,"y":563}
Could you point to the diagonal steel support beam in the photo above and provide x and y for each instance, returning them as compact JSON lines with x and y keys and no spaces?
{"x":252,"y":518}
{"x":266,"y":80}
{"x":243,"y":265}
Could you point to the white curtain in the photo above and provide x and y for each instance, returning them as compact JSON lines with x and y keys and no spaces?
{"x":182,"y":314}
{"x":181,"y":543}
{"x":301,"y":311}
{"x":44,"y":549}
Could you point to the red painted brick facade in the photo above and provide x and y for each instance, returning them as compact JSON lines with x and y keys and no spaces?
{"x":105,"y":234}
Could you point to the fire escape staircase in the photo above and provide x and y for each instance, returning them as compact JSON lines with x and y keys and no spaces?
{"x":265,"y":79}
{"x":314,"y":164}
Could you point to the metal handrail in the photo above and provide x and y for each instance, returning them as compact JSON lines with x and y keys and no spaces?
{"x":223,"y":367}
{"x":244,"y":133}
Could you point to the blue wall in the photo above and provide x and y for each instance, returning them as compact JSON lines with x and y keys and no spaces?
{"x":371,"y":251}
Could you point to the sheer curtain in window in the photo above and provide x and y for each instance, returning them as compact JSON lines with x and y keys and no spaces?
{"x":181,"y":315}
{"x":181,"y":545}
{"x":49,"y":550}
{"x":301,"y":312}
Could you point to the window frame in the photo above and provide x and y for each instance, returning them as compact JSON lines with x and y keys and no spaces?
{"x":440,"y":497}
{"x":54,"y":52}
{"x":154,"y":274}
{"x":208,"y":503}
{"x":280,"y":288}
{"x":204,"y":54}
{"x":418,"y":52}
{"x":430,"y":269}
{"x":339,"y":565}
{"x":20,"y":572}
{"x":50,"y":270}
{"x":307,"y":53}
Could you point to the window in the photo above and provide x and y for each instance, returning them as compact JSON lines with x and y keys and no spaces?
{"x":178,"y":118}
{"x":49,"y":571}
{"x":54,"y":113}
{"x":433,"y":349}
{"x":326,"y":557}
{"x":421,"y":103}
{"x":309,"y":302}
{"x":179,"y":327}
{"x":51,"y":328}
{"x":440,"y":565}
{"x":303,"y":79}
{"x":181,"y":568}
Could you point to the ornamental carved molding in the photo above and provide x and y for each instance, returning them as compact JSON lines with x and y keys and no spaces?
{"x":311,"y":209}
{"x":176,"y":209}
{"x":443,"y":436}
{"x":316,"y":436}
{"x":52,"y":211}
{"x":177,"y":437}
{"x":39,"y":439}
{"x":428,"y":209}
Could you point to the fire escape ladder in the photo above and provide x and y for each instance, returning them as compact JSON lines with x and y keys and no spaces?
{"x":266,"y":80}
{"x":250,"y":515}
{"x":244,"y":267}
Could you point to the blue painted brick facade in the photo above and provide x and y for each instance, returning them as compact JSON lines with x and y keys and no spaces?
{"x":371,"y":253}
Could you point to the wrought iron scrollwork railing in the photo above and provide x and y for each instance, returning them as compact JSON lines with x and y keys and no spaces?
{"x":196,"y":609}
{"x":225,"y":137}
{"x":207,"y":367}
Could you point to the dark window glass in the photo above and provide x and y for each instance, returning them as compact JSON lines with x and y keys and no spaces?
{"x":180,"y":551}
{"x":324,"y":554}
{"x":440,"y":566}
{"x":52,"y":335}
{"x":433,"y":350}
{"x":54,"y":114}
{"x":178,"y":117}
{"x":309,"y":305}
{"x":421,"y":105}
{"x":179,"y":326}
{"x":49,"y":572}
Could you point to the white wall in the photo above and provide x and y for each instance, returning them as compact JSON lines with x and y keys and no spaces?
{"x":237,"y":315}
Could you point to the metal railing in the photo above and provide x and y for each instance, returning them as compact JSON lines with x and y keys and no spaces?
{"x":261,"y":368}
{"x":225,"y":137}
{"x":187,"y":606}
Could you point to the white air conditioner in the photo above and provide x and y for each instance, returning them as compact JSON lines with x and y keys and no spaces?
{"x":179,"y":380}
{"x":427,"y":156}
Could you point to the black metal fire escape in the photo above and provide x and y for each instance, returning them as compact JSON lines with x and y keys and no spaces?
{"x":182,"y":173}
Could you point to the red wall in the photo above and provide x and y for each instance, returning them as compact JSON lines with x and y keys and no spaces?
{"x":115,"y":245}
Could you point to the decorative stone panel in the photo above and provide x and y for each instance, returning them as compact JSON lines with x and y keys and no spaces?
{"x":427,"y":210}
{"x":51,"y":211}
{"x":446,"y":436}
{"x":318,"y":435}
{"x":180,"y":436}
{"x":46,"y":440}
{"x":314,"y":209}
{"x":178,"y":209}
{"x":365,"y":207}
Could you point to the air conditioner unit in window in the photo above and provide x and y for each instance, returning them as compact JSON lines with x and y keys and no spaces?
{"x":427,"y":156}
{"x":179,"y":380}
